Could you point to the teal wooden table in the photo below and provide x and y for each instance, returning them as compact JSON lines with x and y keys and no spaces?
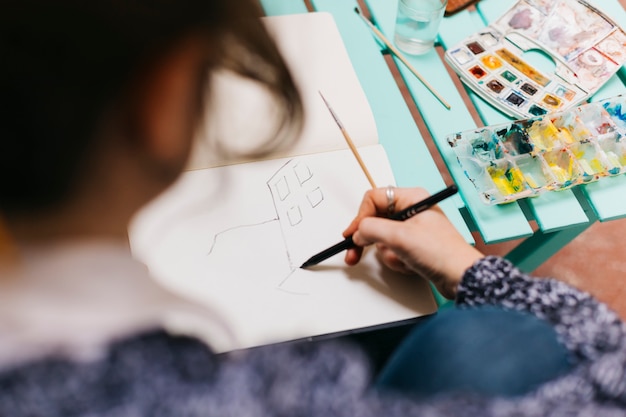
{"x":559,"y":216}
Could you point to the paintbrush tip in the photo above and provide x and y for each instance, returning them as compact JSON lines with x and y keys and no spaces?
{"x":324,"y":99}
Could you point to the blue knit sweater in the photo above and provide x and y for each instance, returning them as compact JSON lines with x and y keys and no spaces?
{"x":156,"y":374}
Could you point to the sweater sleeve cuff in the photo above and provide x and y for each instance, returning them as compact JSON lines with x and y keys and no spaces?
{"x":489,"y":277}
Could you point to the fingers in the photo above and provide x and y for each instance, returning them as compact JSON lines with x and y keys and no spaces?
{"x":376,"y":202}
{"x":389,"y":258}
{"x":366,"y":209}
{"x":374,"y":230}
{"x":426,"y":245}
{"x":353,"y":255}
{"x":384,"y":254}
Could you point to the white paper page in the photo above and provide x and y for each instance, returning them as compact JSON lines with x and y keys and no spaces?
{"x":234,"y":237}
{"x":315,"y":53}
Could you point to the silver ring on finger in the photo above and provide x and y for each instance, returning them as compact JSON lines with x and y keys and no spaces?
{"x":391,"y":200}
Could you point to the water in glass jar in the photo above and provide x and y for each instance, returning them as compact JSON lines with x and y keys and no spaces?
{"x":417,"y":24}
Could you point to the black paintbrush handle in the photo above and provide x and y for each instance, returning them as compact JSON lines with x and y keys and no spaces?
{"x":399,"y":216}
{"x":327,"y":253}
{"x":425,"y":204}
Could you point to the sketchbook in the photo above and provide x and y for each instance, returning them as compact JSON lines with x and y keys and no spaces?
{"x":233,"y":235}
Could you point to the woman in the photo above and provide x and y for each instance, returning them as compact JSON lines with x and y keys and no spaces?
{"x":99,"y":104}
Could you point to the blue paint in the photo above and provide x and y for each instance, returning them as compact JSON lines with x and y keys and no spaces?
{"x":616,"y":112}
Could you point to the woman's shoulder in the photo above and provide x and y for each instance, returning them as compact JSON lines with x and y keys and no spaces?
{"x":158,"y":374}
{"x":131,"y":373}
{"x":153,"y":372}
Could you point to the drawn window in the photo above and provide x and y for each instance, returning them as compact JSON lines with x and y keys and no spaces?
{"x":315,"y":197}
{"x":303,"y":173}
{"x":282,"y":188}
{"x":295,"y":215}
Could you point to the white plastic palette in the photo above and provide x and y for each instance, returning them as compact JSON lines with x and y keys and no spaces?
{"x":552,"y":152}
{"x":586,"y":46}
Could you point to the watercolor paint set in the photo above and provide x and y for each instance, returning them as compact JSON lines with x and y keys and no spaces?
{"x":582,"y":45}
{"x":551,"y":152}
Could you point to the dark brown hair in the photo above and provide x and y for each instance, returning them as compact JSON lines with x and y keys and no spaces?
{"x":64,"y":62}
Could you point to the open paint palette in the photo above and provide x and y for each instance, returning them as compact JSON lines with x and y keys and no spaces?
{"x":555,"y":151}
{"x":582,"y":45}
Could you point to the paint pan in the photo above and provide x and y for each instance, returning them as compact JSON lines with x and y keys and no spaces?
{"x":597,"y":119}
{"x":591,"y":160}
{"x":617,"y":111}
{"x":571,"y":128}
{"x":485,"y":147}
{"x":543,"y":135}
{"x":535,"y":171}
{"x":515,"y":139}
{"x":508,"y":179}
{"x":615,"y":151}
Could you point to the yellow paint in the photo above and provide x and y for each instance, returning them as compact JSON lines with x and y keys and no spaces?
{"x":508,"y":181}
{"x":531,"y":180}
{"x":613,"y":159}
{"x":559,"y":173}
{"x":543,"y":134}
{"x":523,"y":67}
{"x":597,"y":165}
{"x":571,"y":127}
{"x":570,"y":167}
{"x":586,"y":167}
{"x":566,"y":136}
{"x":580,"y":131}
{"x":551,"y":100}
{"x":618,"y":160}
{"x":591,"y":167}
{"x":491,"y":62}
{"x":503,"y":186}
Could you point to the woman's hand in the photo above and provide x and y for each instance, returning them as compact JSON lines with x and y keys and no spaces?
{"x":427,"y":244}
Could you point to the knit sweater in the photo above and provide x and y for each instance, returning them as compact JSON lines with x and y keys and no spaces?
{"x":157,"y":374}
